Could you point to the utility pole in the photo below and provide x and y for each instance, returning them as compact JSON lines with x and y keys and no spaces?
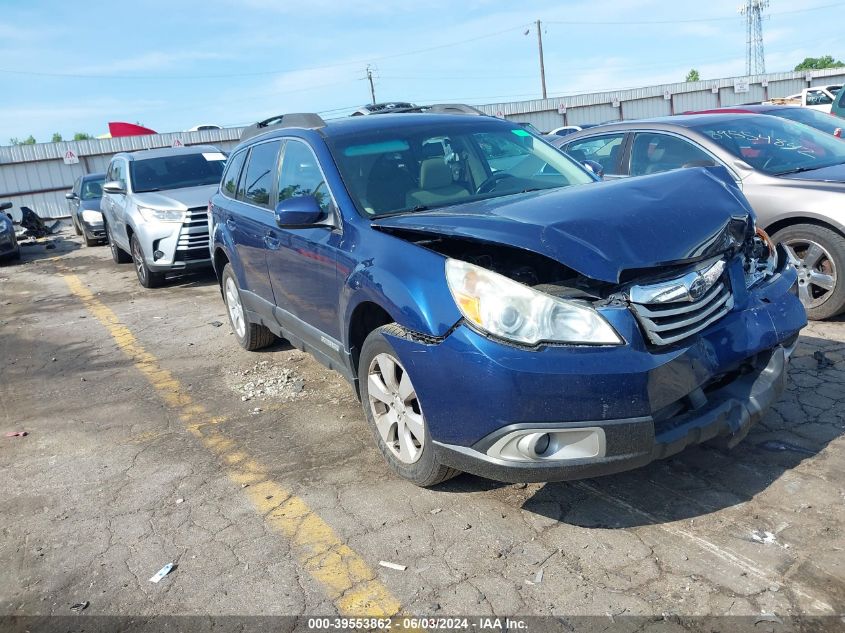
{"x":372,"y":85}
{"x":542,"y":65}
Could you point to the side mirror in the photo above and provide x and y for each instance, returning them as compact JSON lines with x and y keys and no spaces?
{"x":594,"y":167}
{"x":70,"y":195}
{"x":299,"y":211}
{"x":5,"y":205}
{"x":114,"y":186}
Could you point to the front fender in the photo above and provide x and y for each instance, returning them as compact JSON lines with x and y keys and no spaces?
{"x":410,"y":286}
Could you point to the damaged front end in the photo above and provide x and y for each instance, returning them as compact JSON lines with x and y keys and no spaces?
{"x":671,"y":302}
{"x":575,"y":365}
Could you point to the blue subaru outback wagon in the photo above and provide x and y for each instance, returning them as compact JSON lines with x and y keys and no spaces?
{"x":497,"y":310}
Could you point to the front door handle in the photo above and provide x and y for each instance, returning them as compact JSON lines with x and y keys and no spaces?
{"x":271,"y":241}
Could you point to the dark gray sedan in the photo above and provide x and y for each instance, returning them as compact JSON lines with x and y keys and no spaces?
{"x":793,"y":175}
{"x":84,"y":204}
{"x":9,"y":247}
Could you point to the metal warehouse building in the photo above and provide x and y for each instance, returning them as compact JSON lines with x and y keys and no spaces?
{"x":663,"y":100}
{"x":39,"y":175}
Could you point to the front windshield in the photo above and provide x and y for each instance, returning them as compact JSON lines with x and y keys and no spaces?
{"x":819,"y":120}
{"x":92,"y":189}
{"x":412,"y":168}
{"x":176,"y":171}
{"x":775,"y":146}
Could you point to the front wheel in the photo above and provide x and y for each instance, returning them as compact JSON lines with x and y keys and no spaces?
{"x":392,"y":407}
{"x":146,"y":277}
{"x":818,"y":254}
{"x":76,"y":227}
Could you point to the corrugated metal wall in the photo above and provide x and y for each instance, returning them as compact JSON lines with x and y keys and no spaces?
{"x":648,"y":102}
{"x":37,"y":177}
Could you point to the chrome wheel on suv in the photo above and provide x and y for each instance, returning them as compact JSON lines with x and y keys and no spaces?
{"x":396,"y":409}
{"x":146,"y":277}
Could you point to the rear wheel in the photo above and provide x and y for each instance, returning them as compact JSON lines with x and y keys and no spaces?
{"x":393,"y":409}
{"x":146,"y":277}
{"x":251,"y":336}
{"x":818,"y":253}
{"x":117,"y":254}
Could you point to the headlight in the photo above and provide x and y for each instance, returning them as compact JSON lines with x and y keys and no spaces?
{"x":89,"y":215}
{"x":761,"y":258}
{"x":513,"y":311}
{"x":161,"y":215}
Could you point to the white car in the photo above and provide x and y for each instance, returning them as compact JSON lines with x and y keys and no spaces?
{"x":818,"y":98}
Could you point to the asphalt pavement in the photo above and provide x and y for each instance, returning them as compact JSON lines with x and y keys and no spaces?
{"x":152,"y":438}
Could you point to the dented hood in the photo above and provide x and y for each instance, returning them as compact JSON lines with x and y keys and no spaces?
{"x":603,"y":229}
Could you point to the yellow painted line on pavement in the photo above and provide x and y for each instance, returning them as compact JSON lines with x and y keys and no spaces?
{"x":347,"y":578}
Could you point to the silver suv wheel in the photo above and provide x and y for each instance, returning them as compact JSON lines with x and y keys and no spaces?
{"x":395,"y":408}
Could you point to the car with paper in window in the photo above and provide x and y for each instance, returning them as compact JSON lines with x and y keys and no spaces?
{"x":792,"y":174}
{"x":155,"y":208}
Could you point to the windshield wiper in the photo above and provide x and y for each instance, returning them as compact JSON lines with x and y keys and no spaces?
{"x":147,"y":190}
{"x":798,"y":170}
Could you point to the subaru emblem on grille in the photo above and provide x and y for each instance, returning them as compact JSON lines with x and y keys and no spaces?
{"x":690,"y":287}
{"x":697,"y":288}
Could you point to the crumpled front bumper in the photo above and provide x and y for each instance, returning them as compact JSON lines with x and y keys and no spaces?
{"x":630,"y":443}
{"x":648,"y":402}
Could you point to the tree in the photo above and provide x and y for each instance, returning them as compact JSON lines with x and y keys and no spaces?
{"x":693,"y":75}
{"x":818,"y":63}
{"x":57,"y":137}
{"x":30,"y":140}
{"x":82,"y":136}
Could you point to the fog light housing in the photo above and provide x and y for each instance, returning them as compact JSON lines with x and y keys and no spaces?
{"x":157,"y":255}
{"x":549,"y":445}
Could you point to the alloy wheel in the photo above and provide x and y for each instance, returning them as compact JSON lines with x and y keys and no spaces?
{"x":138,"y":258}
{"x":236,"y":310}
{"x":816,"y":271}
{"x":396,"y":408}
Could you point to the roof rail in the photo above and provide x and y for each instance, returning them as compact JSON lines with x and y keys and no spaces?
{"x":454,"y":108}
{"x":307,"y":120}
{"x":402,"y":107}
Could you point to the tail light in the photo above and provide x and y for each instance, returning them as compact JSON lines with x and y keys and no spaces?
{"x":838,"y":132}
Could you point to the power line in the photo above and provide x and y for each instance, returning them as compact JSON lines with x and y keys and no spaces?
{"x":682,"y":21}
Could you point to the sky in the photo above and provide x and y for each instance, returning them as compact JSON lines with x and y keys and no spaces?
{"x":72,"y":67}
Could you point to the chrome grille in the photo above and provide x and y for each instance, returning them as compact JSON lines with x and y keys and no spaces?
{"x":194,"y":235}
{"x":666,"y":323}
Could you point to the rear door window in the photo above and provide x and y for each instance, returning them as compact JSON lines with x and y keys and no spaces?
{"x":604,"y":150}
{"x":229,"y":182}
{"x":653,"y":153}
{"x":257,"y":181}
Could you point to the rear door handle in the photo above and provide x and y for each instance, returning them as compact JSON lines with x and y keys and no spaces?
{"x":271,"y":241}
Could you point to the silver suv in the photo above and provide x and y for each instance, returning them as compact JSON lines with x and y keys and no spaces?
{"x":155,"y":206}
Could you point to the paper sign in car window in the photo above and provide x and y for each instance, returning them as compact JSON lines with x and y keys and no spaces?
{"x":209,"y":156}
{"x":520,"y":133}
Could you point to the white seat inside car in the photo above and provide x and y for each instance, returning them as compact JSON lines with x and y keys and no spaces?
{"x":436,"y":185}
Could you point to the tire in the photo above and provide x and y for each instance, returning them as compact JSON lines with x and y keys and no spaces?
{"x":819,"y":255}
{"x":16,"y":256}
{"x":251,"y":336}
{"x":414,"y":458}
{"x":146,"y":277}
{"x":118,"y":255}
{"x":76,"y":228}
{"x":91,"y":241}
